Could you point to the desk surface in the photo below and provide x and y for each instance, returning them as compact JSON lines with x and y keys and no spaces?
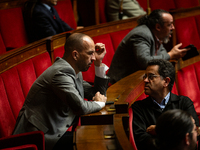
{"x":120,"y":93}
{"x":95,"y":137}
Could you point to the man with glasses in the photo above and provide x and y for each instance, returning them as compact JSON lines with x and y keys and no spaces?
{"x":144,"y":43}
{"x":159,"y":79}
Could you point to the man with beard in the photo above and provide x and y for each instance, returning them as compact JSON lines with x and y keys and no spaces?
{"x":180,"y":131}
{"x":144,"y":43}
{"x":159,"y":79}
{"x":56,"y":99}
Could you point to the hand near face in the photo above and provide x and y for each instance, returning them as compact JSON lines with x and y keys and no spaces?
{"x":151,"y":130}
{"x":177,"y":53}
{"x":99,"y":97}
{"x":100,"y":52}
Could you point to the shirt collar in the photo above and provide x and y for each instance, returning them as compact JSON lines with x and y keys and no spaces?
{"x":47,"y":6}
{"x":163,"y":102}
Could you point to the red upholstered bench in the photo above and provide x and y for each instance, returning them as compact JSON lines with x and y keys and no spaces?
{"x":14,"y":86}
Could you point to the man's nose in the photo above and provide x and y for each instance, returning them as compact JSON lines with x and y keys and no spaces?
{"x":93,"y":57}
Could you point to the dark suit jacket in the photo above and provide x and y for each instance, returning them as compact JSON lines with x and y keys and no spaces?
{"x":134,"y":52}
{"x":146,"y":112}
{"x":43,"y":23}
{"x":55,"y":99}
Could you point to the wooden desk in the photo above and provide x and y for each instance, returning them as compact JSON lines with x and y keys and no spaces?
{"x":95,"y":137}
{"x":122,"y":93}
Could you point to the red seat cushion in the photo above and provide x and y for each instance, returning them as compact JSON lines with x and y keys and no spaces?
{"x":12,"y":28}
{"x":186,"y":32}
{"x":65,"y":11}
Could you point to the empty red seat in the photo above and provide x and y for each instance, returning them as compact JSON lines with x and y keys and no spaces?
{"x":12,"y":28}
{"x":65,"y":11}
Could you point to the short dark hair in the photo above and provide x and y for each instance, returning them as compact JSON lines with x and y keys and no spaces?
{"x":153,"y":18}
{"x":171,"y":128}
{"x":166,"y":69}
{"x":75,"y":42}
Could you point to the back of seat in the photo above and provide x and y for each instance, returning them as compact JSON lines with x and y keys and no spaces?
{"x":118,"y":36}
{"x":162,"y":4}
{"x":14,"y":86}
{"x":188,"y":84}
{"x":187,"y":32}
{"x":12,"y":28}
{"x":102,"y":11}
{"x":2,"y":46}
{"x":186,"y":3}
{"x":65,"y":11}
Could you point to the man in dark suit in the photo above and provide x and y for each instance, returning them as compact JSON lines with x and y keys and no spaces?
{"x":42,"y":20}
{"x":144,"y":43}
{"x":56,"y":98}
{"x":159,"y":79}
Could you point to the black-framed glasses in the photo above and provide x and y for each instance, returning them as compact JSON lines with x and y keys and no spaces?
{"x":150,"y":76}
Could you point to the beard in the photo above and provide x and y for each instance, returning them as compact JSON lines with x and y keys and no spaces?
{"x":166,"y":40}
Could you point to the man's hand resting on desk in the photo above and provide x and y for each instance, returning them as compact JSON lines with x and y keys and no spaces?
{"x":99,"y":97}
{"x":151,"y":130}
{"x":177,"y":53}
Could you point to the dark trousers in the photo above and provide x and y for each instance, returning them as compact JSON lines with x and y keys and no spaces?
{"x":65,"y":142}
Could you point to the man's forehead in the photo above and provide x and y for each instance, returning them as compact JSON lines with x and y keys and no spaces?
{"x":167,"y":17}
{"x":152,"y":69}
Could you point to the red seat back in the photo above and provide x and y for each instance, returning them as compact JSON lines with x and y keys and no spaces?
{"x":187,"y":32}
{"x":14,"y":86}
{"x":2,"y":46}
{"x":118,"y":36}
{"x":65,"y":11}
{"x":102,"y":11}
{"x":12,"y":28}
{"x":162,"y":4}
{"x":186,"y":3}
{"x":188,"y":84}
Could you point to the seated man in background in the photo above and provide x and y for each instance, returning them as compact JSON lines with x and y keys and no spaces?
{"x":42,"y":20}
{"x":56,"y":99}
{"x":123,"y":9}
{"x":159,"y":80}
{"x":144,"y":43}
{"x":176,"y":130}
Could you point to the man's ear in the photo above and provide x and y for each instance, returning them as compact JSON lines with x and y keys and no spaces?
{"x":167,"y":81}
{"x":187,"y":139}
{"x":158,"y":27}
{"x":75,"y":54}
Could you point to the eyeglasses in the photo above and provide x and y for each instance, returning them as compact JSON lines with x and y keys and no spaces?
{"x":150,"y":76}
